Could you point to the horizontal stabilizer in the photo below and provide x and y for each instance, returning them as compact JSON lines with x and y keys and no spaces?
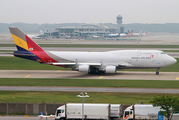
{"x":19,"y":54}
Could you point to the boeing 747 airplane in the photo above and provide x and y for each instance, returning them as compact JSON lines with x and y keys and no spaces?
{"x":90,"y":62}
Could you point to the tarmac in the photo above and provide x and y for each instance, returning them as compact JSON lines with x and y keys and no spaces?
{"x":18,"y":117}
{"x":89,"y":89}
{"x":62,"y":74}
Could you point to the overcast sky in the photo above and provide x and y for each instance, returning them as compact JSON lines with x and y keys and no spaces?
{"x":89,"y":11}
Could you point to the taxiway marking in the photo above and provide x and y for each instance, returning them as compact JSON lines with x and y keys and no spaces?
{"x":101,"y":77}
{"x":27,"y":76}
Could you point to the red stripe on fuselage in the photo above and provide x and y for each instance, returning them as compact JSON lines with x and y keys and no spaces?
{"x":38,"y":51}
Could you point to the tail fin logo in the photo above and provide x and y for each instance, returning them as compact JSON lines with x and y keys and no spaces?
{"x":30,"y":49}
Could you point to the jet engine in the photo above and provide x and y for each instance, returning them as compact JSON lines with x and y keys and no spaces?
{"x":110,"y":69}
{"x":84,"y":68}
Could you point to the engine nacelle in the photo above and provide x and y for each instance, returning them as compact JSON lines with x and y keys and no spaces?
{"x":84,"y":68}
{"x":110,"y":69}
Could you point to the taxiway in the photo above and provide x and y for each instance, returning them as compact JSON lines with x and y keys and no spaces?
{"x":120,"y":75}
{"x":90,"y":89}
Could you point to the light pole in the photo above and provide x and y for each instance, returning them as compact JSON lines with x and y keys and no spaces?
{"x":83,"y":95}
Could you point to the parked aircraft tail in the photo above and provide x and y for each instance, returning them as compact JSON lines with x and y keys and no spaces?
{"x":140,"y":32}
{"x":27,"y":48}
{"x":41,"y":32}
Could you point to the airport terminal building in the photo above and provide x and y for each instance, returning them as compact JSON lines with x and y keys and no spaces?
{"x":84,"y":31}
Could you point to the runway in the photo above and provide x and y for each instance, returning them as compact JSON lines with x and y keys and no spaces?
{"x":89,"y":89}
{"x":60,"y":74}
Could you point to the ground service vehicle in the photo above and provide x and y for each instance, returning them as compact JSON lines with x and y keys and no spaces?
{"x":141,"y":111}
{"x":91,"y":111}
{"x":145,"y":111}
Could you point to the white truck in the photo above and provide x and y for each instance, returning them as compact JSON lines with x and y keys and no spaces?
{"x":91,"y":111}
{"x":145,"y":111}
{"x":141,"y":111}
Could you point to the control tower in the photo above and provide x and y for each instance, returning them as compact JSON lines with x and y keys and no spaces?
{"x":119,"y":21}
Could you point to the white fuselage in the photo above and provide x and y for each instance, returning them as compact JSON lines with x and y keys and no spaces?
{"x":127,"y":58}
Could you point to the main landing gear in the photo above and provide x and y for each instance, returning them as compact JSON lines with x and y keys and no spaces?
{"x":157,"y":72}
{"x":96,"y":72}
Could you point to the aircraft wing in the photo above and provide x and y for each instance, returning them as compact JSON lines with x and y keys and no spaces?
{"x":90,"y":64}
{"x":72,"y":64}
{"x":125,"y":65}
{"x":69,"y":64}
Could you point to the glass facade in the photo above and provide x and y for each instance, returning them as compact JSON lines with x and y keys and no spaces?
{"x":83,"y":31}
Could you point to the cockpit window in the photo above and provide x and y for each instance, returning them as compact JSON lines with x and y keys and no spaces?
{"x":162,"y":53}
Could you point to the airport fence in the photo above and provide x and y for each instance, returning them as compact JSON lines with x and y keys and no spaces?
{"x":32,"y":108}
{"x":28,"y":108}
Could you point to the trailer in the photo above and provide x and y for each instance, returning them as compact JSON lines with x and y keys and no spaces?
{"x":115,"y":111}
{"x":91,"y":111}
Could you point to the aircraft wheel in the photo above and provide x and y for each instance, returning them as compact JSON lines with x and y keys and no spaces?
{"x":157,"y":73}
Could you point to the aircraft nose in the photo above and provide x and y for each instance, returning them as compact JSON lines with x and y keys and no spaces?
{"x":172,"y":60}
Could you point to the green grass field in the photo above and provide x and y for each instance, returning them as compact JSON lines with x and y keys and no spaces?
{"x":7,"y":51}
{"x":89,"y":83}
{"x":14,"y":63}
{"x":170,"y":50}
{"x":70,"y":97}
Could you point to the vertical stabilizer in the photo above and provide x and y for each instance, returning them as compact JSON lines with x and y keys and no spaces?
{"x":27,"y":48}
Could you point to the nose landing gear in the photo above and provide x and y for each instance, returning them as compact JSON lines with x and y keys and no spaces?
{"x":157,"y":72}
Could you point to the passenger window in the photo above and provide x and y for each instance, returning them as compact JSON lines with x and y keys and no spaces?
{"x":162,"y":53}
